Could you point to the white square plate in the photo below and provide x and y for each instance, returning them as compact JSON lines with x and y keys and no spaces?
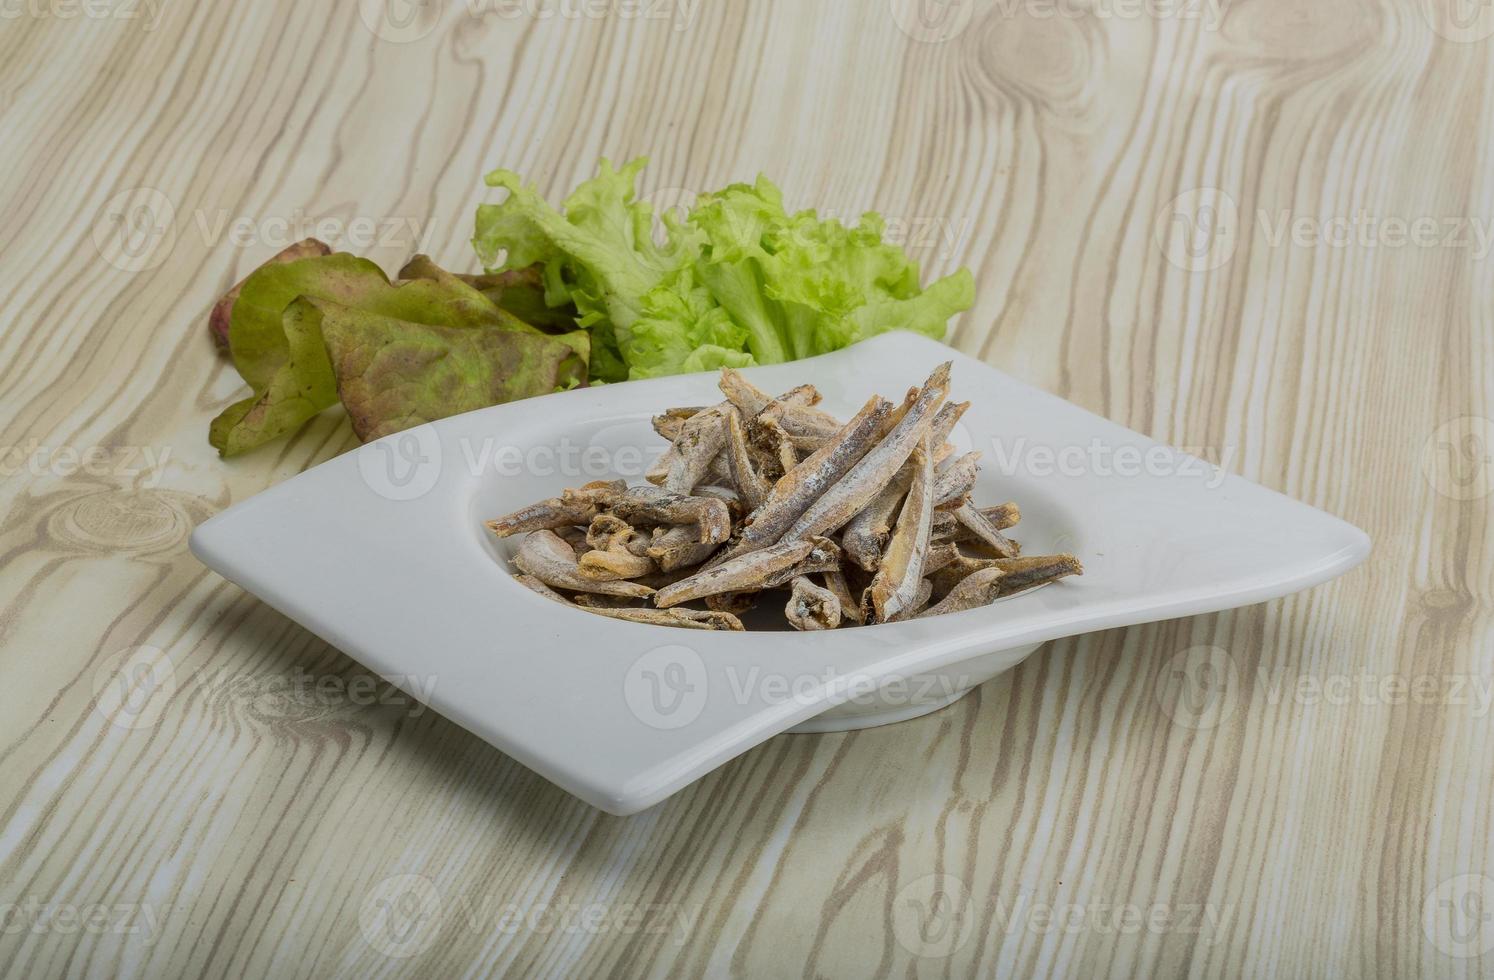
{"x":382,"y":553}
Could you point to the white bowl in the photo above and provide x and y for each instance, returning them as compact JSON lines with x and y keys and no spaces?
{"x":382,"y":553}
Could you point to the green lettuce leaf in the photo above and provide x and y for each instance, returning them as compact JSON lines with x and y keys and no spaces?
{"x":599,"y":255}
{"x":738,"y":281}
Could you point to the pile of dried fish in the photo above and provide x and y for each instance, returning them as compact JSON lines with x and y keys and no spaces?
{"x":867,"y":521}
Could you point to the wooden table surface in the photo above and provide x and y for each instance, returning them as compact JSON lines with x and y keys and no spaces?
{"x":1258,"y":229}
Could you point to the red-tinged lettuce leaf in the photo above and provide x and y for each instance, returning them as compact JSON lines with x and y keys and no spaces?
{"x":393,"y":374}
{"x":256,"y":338}
{"x":301,"y":387}
{"x":517,"y":291}
{"x":219,"y":318}
{"x":284,"y":359}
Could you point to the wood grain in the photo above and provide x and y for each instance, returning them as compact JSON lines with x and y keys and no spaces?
{"x":1259,"y":792}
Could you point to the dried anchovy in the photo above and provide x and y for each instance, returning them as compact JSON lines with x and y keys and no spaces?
{"x":866,"y":534}
{"x":835,"y":581}
{"x":693,"y":619}
{"x":546,"y":556}
{"x":805,"y":426}
{"x":740,"y":574}
{"x":748,"y":398}
{"x":1021,"y":573}
{"x":727,"y":495}
{"x":986,"y":532}
{"x":614,"y":565}
{"x":895,"y":589}
{"x":678,"y":547}
{"x":753,"y":519}
{"x":956,"y":482}
{"x":572,"y":507}
{"x":977,"y":589}
{"x":1024,"y":573}
{"x":655,"y":505}
{"x":701,"y":437}
{"x":841,"y":502}
{"x":575,"y":537}
{"x":743,"y":473}
{"x":823,"y":557}
{"x":686,"y":618}
{"x":668,"y":426}
{"x":800,"y":487}
{"x":608,"y":532}
{"x":770,"y":438}
{"x":940,"y":555}
{"x":735,"y":603}
{"x":812,"y":607}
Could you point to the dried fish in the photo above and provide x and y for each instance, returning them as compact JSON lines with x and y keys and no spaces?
{"x":575,"y":537}
{"x":856,"y":489}
{"x":655,"y":505}
{"x":978,"y":589}
{"x":769,"y":437}
{"x":1021,"y":573}
{"x":685,"y":618}
{"x":812,"y":607}
{"x":744,"y":573}
{"x":866,"y":533}
{"x":547,"y":557}
{"x":939,"y":556}
{"x":747,"y":397}
{"x":804,"y":484}
{"x":825,"y":556}
{"x":701,"y":437}
{"x":731,"y":498}
{"x":986,"y":532}
{"x":608,"y":532}
{"x":668,"y":426}
{"x":694,"y":619}
{"x":678,"y":547}
{"x":572,"y":507}
{"x":614,"y":565}
{"x":1002,"y":516}
{"x":739,"y":515}
{"x":835,"y":581}
{"x":743,"y":472}
{"x":900,"y":575}
{"x":956,"y":481}
{"x":804,"y":425}
{"x":735,"y":603}
{"x":1024,"y":573}
{"x":535,"y":585}
{"x":943,"y":424}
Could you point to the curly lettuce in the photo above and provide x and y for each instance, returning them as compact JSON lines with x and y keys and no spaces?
{"x":738,"y":281}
